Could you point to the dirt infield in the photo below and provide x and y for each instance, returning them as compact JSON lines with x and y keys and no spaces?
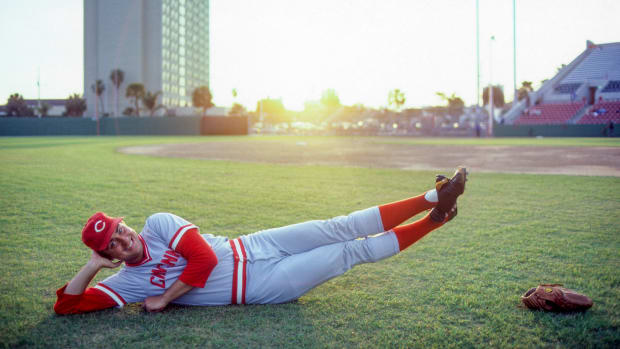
{"x":591,"y":161}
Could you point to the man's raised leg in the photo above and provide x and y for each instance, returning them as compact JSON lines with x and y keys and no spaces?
{"x":293,"y":276}
{"x":298,"y":273}
{"x":302,"y":237}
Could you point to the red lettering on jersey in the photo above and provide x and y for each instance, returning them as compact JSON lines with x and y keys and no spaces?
{"x":169,"y":259}
{"x":158,"y":282}
{"x":159,"y":271}
{"x":158,"y":274}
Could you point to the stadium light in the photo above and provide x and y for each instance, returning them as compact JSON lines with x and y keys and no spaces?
{"x":491,"y":116}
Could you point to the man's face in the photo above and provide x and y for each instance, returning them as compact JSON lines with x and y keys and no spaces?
{"x":124,"y":245}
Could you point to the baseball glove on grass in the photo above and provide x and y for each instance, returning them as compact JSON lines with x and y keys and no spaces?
{"x":552,"y":297}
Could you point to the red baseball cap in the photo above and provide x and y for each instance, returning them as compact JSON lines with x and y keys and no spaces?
{"x":98,"y":230}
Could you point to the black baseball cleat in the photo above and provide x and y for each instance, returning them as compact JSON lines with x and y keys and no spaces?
{"x":448,"y":190}
{"x":451,"y":214}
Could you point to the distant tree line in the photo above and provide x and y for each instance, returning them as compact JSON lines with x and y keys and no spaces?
{"x":140,"y":98}
{"x":268,"y":110}
{"x":329,"y":108}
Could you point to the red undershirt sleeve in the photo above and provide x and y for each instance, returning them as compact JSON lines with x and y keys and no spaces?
{"x":91,"y":300}
{"x":200,"y":258}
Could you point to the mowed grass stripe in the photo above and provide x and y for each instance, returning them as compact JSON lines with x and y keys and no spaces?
{"x":459,"y":286}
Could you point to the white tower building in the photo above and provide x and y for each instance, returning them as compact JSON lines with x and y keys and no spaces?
{"x":162,"y":44}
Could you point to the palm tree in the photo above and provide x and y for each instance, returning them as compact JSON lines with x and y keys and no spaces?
{"x":524,"y":90}
{"x":117,"y":76}
{"x":98,"y":87}
{"x":201,"y":98}
{"x":135,"y":91}
{"x":150,"y":102}
{"x":396,"y":98}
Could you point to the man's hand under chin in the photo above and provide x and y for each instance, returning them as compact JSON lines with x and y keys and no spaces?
{"x":103,"y":262}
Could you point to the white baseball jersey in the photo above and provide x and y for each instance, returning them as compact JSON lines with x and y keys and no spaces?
{"x":162,"y":266}
{"x":270,"y":266}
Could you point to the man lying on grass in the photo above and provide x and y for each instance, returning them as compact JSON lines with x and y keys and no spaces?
{"x":170,"y":262}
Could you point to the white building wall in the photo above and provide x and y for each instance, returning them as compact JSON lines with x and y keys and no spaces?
{"x":151,"y":49}
{"x":120,"y":34}
{"x":127,"y":35}
{"x":90,"y":51}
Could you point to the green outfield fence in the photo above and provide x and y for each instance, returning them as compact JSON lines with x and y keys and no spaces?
{"x":600,"y":130}
{"x":65,"y":126}
{"x":231,"y":125}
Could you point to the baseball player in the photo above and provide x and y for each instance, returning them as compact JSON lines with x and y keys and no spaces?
{"x":171,"y":262}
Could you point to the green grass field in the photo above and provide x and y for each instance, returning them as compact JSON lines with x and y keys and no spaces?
{"x":457,"y":287}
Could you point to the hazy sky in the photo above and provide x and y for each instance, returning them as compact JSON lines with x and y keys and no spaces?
{"x":295,"y":49}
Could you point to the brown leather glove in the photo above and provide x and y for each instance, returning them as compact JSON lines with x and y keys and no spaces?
{"x":552,"y":297}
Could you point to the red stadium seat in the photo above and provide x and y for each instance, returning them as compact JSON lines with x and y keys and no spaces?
{"x":602,"y":113}
{"x":549,"y":114}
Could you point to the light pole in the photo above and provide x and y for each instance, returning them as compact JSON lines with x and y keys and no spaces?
{"x":477,"y":60}
{"x":514,"y":50}
{"x":39,"y":91}
{"x":491,"y":116}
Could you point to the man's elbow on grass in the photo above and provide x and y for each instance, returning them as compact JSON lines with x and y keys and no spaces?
{"x":69,"y":308}
{"x":66,"y":304}
{"x":59,"y":309}
{"x":63,"y":307}
{"x":88,"y":301}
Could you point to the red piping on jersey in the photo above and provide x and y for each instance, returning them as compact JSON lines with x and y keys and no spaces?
{"x":201,"y":258}
{"x":146,"y":255}
{"x":177,"y":233}
{"x":239,"y":272}
{"x":111,"y":290}
{"x":245,"y":261}
{"x":233,"y":299}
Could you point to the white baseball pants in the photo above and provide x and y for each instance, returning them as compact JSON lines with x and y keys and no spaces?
{"x":284,"y":263}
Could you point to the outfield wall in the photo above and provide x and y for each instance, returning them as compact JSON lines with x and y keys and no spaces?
{"x":195,"y":125}
{"x":230,"y":125}
{"x":52,"y":126}
{"x":551,"y":130}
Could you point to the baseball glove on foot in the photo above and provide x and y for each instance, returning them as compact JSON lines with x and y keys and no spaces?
{"x":552,"y":297}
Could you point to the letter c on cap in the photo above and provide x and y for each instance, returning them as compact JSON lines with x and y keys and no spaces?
{"x":99,"y":229}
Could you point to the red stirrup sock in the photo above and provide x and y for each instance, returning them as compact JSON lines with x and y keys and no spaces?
{"x":408,"y":234}
{"x":397,"y":212}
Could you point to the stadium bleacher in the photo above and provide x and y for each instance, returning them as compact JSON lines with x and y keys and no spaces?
{"x":601,"y":63}
{"x":602,"y":112}
{"x":549,"y":114}
{"x":586,"y":91}
{"x":612,"y":86}
{"x":567,"y":88}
